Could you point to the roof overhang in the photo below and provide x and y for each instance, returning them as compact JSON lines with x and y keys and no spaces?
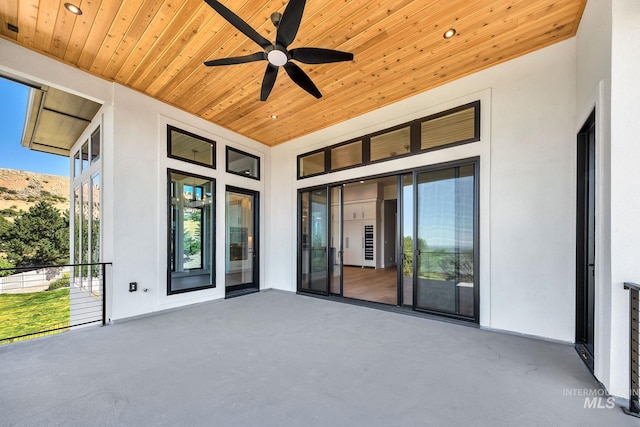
{"x":55,"y":119}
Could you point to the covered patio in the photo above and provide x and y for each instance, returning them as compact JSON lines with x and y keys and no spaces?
{"x":276,"y":358}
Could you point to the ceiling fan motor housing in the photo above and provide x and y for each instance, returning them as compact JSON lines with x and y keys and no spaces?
{"x":276,"y":17}
{"x":277,"y":54}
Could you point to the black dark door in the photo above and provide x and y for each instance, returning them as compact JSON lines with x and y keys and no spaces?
{"x":313,"y":232}
{"x":242,"y":261}
{"x":586,"y":240}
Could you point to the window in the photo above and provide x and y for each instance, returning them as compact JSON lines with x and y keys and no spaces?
{"x":95,"y":145}
{"x":85,"y":215}
{"x":77,"y":166}
{"x":85,"y":155}
{"x":460,"y":125}
{"x":188,"y":147}
{"x":346,"y":155}
{"x":243,"y":164}
{"x":391,"y":144}
{"x":191,"y":237}
{"x":454,"y":128}
{"x":311,"y":164}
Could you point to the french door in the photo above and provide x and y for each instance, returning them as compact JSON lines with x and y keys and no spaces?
{"x":241,"y":260}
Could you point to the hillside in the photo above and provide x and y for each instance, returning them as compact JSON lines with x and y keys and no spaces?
{"x":19,"y":190}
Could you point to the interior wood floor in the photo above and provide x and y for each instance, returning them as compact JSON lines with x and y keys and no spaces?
{"x":369,"y":284}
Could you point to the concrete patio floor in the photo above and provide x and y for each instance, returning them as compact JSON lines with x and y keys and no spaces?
{"x":279,"y":359}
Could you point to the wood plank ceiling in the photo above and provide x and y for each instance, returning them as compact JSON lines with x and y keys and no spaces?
{"x":158,"y":47}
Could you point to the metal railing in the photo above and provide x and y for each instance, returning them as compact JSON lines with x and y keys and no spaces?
{"x":634,"y":349}
{"x":45,"y":300}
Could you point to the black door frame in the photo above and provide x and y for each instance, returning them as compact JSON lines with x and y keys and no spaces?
{"x":255,"y":273}
{"x":327,"y":285}
{"x":339,"y":247}
{"x":585,"y":240}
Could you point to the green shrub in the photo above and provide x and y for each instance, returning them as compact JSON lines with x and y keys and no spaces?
{"x":4,"y":264}
{"x":60,"y":283}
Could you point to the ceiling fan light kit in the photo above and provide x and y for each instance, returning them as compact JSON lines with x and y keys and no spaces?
{"x":276,"y":54}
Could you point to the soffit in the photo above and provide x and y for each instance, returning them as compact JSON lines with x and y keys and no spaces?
{"x":158,"y":47}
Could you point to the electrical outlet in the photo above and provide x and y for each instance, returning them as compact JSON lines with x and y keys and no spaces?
{"x":133,"y":286}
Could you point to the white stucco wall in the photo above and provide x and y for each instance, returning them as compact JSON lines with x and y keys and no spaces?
{"x":593,"y":90}
{"x":608,"y":42}
{"x":134,"y":166}
{"x":140,"y":205}
{"x":527,"y":182}
{"x":625,"y":181}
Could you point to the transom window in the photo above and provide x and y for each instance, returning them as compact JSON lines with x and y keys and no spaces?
{"x":188,"y":147}
{"x":243,"y":164}
{"x":460,"y":125}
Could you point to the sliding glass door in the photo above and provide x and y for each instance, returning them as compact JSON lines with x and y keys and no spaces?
{"x":424,"y":240}
{"x":313,"y":251}
{"x":406,"y":244}
{"x":444,"y":251}
{"x":336,"y":251}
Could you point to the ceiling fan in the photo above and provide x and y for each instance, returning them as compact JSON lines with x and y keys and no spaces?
{"x":276,"y":54}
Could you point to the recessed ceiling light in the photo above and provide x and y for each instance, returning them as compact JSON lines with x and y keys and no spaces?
{"x":449,"y":33}
{"x":73,"y":8}
{"x":273,"y":116}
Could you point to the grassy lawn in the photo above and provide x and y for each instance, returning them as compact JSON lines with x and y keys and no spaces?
{"x":22,"y":314}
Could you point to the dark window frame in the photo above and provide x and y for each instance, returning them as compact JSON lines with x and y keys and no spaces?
{"x":193,"y":135}
{"x":476,"y":126}
{"x":411,"y":152}
{"x":244,"y":153}
{"x":330,"y":168}
{"x":327,"y":161}
{"x":213,"y":231}
{"x":414,"y":141}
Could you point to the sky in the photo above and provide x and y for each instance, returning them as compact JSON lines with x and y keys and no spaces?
{"x":13,"y":106}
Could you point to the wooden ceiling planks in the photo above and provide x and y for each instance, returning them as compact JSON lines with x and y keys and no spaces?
{"x":8,"y":15}
{"x":158,"y":47}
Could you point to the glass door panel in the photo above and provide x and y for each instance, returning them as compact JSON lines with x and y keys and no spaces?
{"x":241,"y":238}
{"x":406,"y":249}
{"x":313,"y":249}
{"x":335,"y":254}
{"x":444,"y":250}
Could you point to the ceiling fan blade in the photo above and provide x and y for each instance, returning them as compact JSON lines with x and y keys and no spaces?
{"x":301,"y":79}
{"x":237,"y":22}
{"x":290,"y":22}
{"x":259,"y":56}
{"x":315,"y":55}
{"x":268,"y":81}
